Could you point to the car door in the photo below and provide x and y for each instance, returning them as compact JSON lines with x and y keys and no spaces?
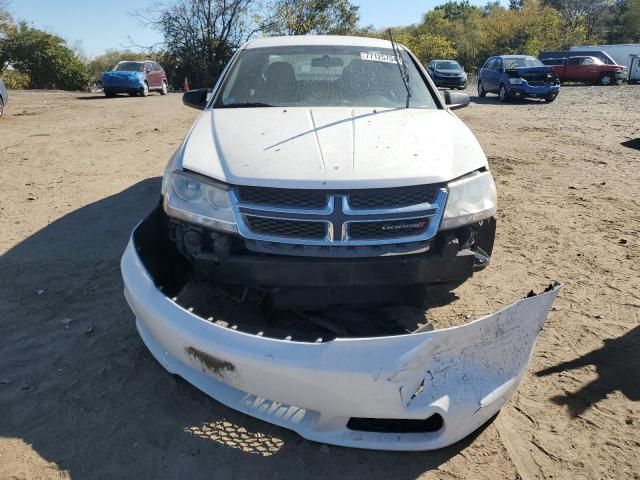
{"x":588,"y":70}
{"x":152,"y":75}
{"x":572,"y":69}
{"x":160,"y":72}
{"x":496,"y":74}
{"x":487,"y":75}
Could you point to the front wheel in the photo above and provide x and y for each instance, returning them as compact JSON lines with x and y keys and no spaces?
{"x":608,"y":79}
{"x":145,"y":90}
{"x":481,"y":91}
{"x":504,"y":96}
{"x":109,"y":93}
{"x":164,"y":89}
{"x":550,"y":99}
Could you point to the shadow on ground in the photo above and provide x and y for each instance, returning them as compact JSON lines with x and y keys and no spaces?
{"x":495,"y":100}
{"x":77,"y":384}
{"x":634,"y":143}
{"x":618,"y":370}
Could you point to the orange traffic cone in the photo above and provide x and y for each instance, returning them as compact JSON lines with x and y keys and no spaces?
{"x":185,"y":86}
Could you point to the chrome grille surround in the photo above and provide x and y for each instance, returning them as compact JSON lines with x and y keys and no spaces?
{"x":338,"y":215}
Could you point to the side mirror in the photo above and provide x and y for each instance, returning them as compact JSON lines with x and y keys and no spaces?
{"x":456,"y":100}
{"x":196,"y":98}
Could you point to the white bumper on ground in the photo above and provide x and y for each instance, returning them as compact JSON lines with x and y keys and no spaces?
{"x":465,"y":374}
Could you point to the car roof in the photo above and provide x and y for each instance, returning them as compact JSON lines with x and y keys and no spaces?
{"x":304,"y":40}
{"x":444,"y":60}
{"x":516,"y":56}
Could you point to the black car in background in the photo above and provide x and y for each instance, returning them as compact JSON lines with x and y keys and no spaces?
{"x":447,"y":73}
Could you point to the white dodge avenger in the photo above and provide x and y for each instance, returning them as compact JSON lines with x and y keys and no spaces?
{"x":328,"y":175}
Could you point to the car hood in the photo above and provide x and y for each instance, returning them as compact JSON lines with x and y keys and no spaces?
{"x":446,"y":72}
{"x":531,"y":70}
{"x":122,"y":74}
{"x":330,"y":147}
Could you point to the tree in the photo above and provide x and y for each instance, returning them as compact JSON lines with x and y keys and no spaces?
{"x":631,"y":21}
{"x":46,"y":58}
{"x":455,"y":10}
{"x":303,"y":17}
{"x":427,"y":46}
{"x":200,"y":36}
{"x":6,"y":20}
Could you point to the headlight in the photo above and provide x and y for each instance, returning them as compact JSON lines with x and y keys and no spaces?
{"x":194,"y":200}
{"x":471,"y":199}
{"x":515,"y":81}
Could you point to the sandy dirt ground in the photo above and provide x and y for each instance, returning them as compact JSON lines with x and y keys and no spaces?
{"x":80,"y":396}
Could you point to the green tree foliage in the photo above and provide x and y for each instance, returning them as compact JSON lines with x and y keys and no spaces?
{"x":630,"y":28}
{"x":44,"y":57}
{"x":303,"y":17}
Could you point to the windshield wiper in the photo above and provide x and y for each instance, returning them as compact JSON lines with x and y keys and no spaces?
{"x":244,"y":105}
{"x":404,"y":71}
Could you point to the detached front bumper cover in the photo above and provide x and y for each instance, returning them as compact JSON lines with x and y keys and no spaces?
{"x":417,"y":391}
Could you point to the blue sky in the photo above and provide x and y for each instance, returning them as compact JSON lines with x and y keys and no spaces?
{"x":108,"y":24}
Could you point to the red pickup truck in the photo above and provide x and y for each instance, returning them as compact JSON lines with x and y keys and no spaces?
{"x":585,"y":69}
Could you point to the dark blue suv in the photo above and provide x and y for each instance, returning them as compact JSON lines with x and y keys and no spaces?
{"x":517,"y":77}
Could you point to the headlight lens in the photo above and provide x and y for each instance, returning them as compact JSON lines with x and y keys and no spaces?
{"x":193,"y":200}
{"x":471,"y":199}
{"x":515,"y":81}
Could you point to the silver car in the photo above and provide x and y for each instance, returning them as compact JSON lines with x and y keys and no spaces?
{"x":4,"y":97}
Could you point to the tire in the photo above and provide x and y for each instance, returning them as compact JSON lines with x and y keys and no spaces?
{"x":481,"y":91}
{"x":502,"y":93}
{"x":1,"y":107}
{"x":607,"y":79}
{"x":145,"y":90}
{"x":109,"y":93}
{"x":550,"y":99}
{"x":164,"y":89}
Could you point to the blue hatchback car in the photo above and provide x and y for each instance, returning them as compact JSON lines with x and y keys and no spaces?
{"x":517,"y":77}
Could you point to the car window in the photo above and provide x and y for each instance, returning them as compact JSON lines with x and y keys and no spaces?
{"x":573,"y":61}
{"x":157,"y":67}
{"x":323,"y":75}
{"x":490,"y":63}
{"x":447,"y":65}
{"x":521,"y":62}
{"x":587,"y":61}
{"x":129,"y":67}
{"x":497,"y":64}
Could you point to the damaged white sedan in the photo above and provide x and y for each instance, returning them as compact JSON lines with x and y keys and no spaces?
{"x":325,"y":180}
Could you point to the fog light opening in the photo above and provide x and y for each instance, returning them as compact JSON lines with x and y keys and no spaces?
{"x":396,"y":425}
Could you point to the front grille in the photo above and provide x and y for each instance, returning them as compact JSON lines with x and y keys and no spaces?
{"x":387,"y":229}
{"x":536,"y":83}
{"x":276,"y":227}
{"x":392,"y":197}
{"x":283,"y":197}
{"x":334,"y":219}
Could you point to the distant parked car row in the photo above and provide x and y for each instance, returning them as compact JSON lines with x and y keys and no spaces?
{"x":522,"y":76}
{"x":135,"y":78}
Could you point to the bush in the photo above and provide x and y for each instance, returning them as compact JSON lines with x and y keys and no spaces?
{"x":15,"y":80}
{"x":44,"y":57}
